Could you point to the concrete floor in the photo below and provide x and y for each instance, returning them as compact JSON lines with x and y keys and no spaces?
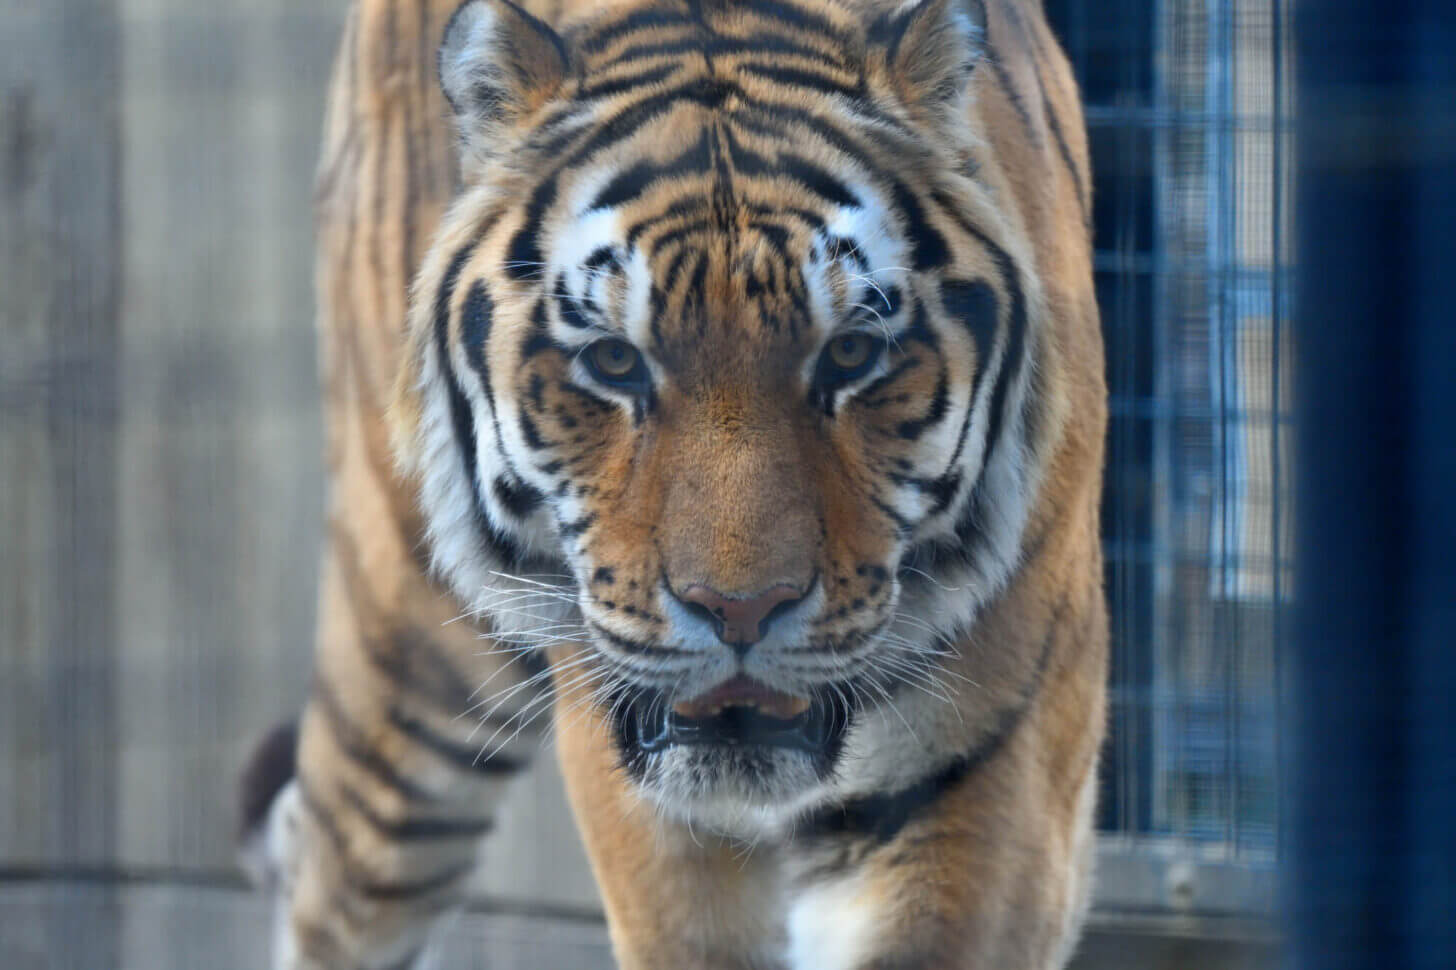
{"x":81,"y":924}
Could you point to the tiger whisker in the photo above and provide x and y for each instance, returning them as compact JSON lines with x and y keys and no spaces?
{"x":505,"y":693}
{"x":584,"y":678}
{"x":921,"y":572}
{"x":528,"y":580}
{"x":540,"y":699}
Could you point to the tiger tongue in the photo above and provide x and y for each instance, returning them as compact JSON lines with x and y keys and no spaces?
{"x":742,"y":692}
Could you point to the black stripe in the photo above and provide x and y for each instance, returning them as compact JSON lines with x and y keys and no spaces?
{"x":699,"y":277}
{"x":417,"y":829}
{"x":477,"y":318}
{"x":883,"y":816}
{"x":902,"y":524}
{"x":462,"y":419}
{"x":690,"y":206}
{"x":357,"y":748}
{"x":567,"y":307}
{"x":939,"y":404}
{"x":1064,"y":149}
{"x":461,"y":757}
{"x":706,"y":92}
{"x":797,"y":17}
{"x":888,"y":29}
{"x":600,"y":40}
{"x":757,"y":43}
{"x":893,"y":298}
{"x":843,"y":247}
{"x":670,"y":283}
{"x":538,"y":337}
{"x":1032,"y":40}
{"x":1013,"y":361}
{"x":930,"y":248}
{"x":570,"y":530}
{"x":402,"y":653}
{"x":607,"y":89}
{"x":603,"y":257}
{"x":532,"y":434}
{"x":525,"y":249}
{"x":775,"y":235}
{"x":517,"y":497}
{"x":800,"y":78}
{"x":368,"y":885}
{"x":634,"y":647}
{"x":973,"y":303}
{"x":674,"y":235}
{"x":792,"y":121}
{"x":633,"y":182}
{"x":867,"y":397}
{"x":781,"y":47}
{"x":691,"y":44}
{"x":628,"y":123}
{"x":918,"y":330}
{"x":475,"y":325}
{"x":594,"y":400}
{"x":966,"y":301}
{"x":1012,"y":94}
{"x":942,"y":489}
{"x":811,"y":219}
{"x":811,"y":176}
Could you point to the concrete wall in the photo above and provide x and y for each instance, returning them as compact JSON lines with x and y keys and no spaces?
{"x":160,"y":454}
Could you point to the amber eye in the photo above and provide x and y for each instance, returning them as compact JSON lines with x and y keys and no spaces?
{"x":616,"y":362}
{"x":850,"y":351}
{"x":848,"y":357}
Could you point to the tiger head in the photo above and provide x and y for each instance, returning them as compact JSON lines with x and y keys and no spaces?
{"x":721,"y":370}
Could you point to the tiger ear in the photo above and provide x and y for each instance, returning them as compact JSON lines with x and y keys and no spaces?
{"x":498,"y":65}
{"x":928,"y":49}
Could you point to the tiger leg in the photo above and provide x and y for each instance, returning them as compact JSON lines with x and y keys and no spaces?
{"x":674,"y":897}
{"x":991,"y":871}
{"x":375,"y":837}
{"x":980,"y":881}
{"x":987,"y":865}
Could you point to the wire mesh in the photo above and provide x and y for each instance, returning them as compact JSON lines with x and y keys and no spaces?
{"x":1188,"y":113}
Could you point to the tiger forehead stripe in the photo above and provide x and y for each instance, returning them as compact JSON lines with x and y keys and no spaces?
{"x":775,"y":15}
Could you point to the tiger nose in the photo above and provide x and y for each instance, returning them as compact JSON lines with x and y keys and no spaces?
{"x":740,"y":622}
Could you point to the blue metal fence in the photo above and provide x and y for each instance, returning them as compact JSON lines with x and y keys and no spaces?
{"x":1188,"y":110}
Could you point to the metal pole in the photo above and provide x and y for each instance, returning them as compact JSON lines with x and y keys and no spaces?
{"x":1372,"y":829}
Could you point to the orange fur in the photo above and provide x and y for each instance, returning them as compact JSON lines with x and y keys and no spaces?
{"x":724,"y":478}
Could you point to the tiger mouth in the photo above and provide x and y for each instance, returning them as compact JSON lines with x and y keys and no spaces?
{"x":741,"y":712}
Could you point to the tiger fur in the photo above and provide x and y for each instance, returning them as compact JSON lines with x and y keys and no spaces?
{"x":824,"y":645}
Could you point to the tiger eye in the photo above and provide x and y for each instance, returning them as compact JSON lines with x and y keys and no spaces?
{"x":850,"y":351}
{"x":614,"y":359}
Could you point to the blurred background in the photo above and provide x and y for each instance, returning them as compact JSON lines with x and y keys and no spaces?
{"x":161,"y":497}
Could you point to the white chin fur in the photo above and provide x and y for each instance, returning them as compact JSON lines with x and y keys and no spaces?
{"x":732,"y":805}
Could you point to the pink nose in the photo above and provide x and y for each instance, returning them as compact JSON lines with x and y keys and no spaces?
{"x":741,"y":621}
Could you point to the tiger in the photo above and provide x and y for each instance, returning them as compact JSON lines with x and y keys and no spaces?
{"x":716,"y":387}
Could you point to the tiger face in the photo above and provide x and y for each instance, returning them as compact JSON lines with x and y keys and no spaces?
{"x":720,"y":365}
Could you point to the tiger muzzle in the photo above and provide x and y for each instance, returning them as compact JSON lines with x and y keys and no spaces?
{"x":738,"y":713}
